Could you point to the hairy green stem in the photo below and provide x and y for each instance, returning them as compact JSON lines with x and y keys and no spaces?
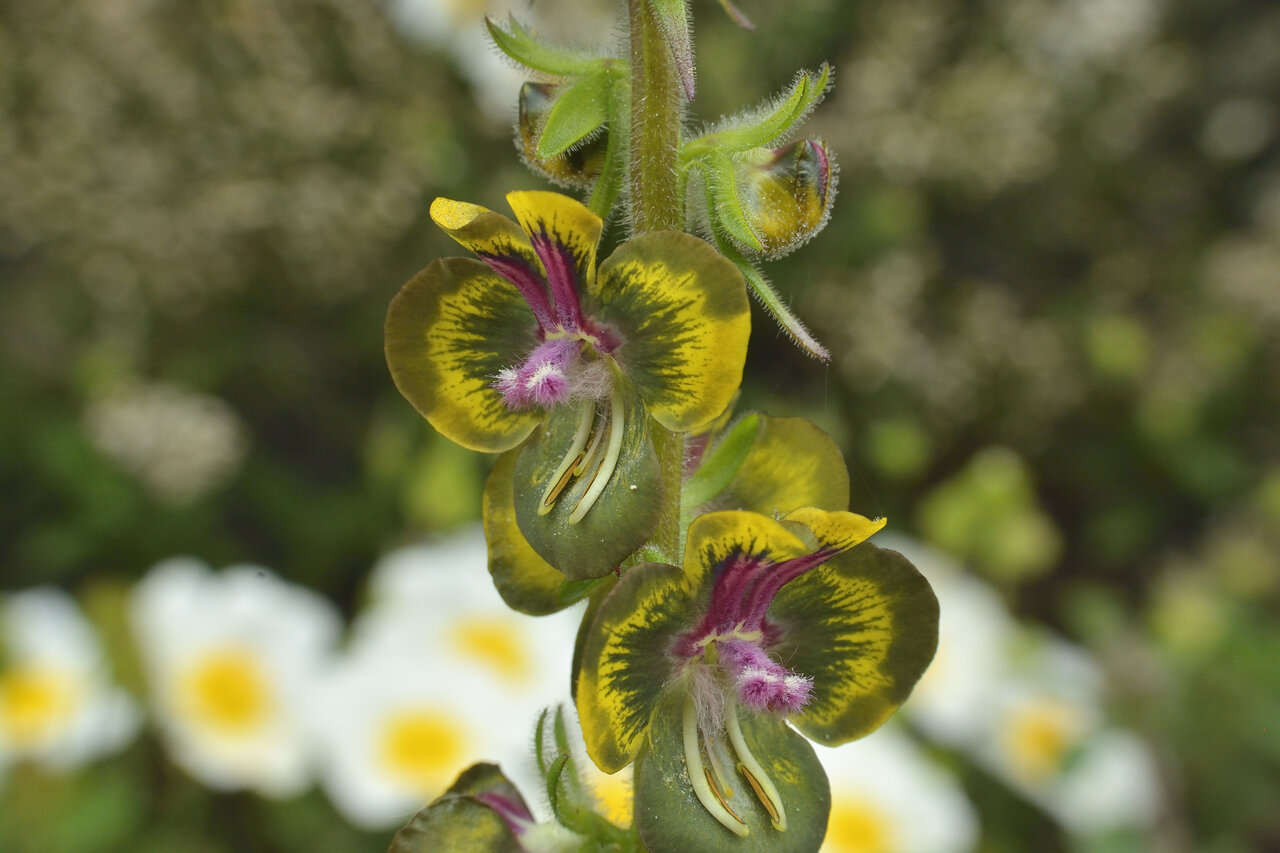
{"x":657,"y":103}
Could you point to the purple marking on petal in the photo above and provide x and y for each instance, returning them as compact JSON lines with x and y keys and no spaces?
{"x":513,"y":813}
{"x":562,"y":276}
{"x":530,"y":284}
{"x":762,"y":595}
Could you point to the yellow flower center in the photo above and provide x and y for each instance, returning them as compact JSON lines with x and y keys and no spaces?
{"x":857,"y":826}
{"x":423,"y":748}
{"x":226,"y":690}
{"x":493,"y":642}
{"x":1038,"y":737}
{"x":34,"y":702}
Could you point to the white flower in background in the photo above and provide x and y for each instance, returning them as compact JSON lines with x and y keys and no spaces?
{"x":439,"y":674}
{"x":233,"y":659}
{"x":888,"y":797}
{"x":457,"y":26}
{"x":1048,"y":740}
{"x":58,"y":707}
{"x":952,"y":701}
{"x":180,"y":444}
{"x":1026,"y":705}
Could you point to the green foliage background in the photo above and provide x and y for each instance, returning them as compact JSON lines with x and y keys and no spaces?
{"x":1051,"y":284}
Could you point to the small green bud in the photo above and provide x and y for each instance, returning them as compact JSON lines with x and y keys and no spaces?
{"x":576,"y":167}
{"x":786,"y":194}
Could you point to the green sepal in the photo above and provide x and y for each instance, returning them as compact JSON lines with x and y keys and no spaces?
{"x":864,"y":625}
{"x":525,"y":581}
{"x":457,"y":822}
{"x":520,"y":43}
{"x":720,"y":464}
{"x":769,"y":298}
{"x":791,"y":463}
{"x":625,"y":662}
{"x":766,"y":124}
{"x":579,"y":111}
{"x":623,"y":516}
{"x":671,"y":819}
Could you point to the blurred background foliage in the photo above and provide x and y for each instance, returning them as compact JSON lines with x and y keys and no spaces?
{"x":1051,"y":284}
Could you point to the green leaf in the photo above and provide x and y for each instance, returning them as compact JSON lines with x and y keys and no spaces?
{"x":622,"y":516}
{"x":671,"y":819}
{"x":579,"y":111}
{"x":456,"y":822}
{"x":720,"y":465}
{"x":525,"y":581}
{"x":525,"y":48}
{"x":864,"y":626}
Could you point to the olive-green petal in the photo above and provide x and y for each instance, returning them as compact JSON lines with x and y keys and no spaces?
{"x":625,"y":661}
{"x":680,"y":309}
{"x":791,"y":464}
{"x":457,"y":822}
{"x":672,"y":820}
{"x":449,"y":332}
{"x":717,"y":536}
{"x":622,"y":517}
{"x":556,"y":221}
{"x":864,"y":626}
{"x":525,"y":581}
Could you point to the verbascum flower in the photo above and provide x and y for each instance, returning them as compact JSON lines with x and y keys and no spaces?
{"x":58,"y":708}
{"x":694,"y":674}
{"x":534,"y":335}
{"x":759,"y":463}
{"x":232,"y":660}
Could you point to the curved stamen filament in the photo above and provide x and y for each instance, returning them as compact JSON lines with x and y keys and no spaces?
{"x":749,"y":767}
{"x":572,"y":458}
{"x":602,"y":475}
{"x":700,"y":776}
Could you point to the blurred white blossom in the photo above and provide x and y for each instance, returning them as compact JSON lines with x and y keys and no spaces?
{"x":232,"y":659}
{"x":180,"y":444}
{"x":888,"y":797}
{"x":439,"y":674}
{"x":58,"y":707}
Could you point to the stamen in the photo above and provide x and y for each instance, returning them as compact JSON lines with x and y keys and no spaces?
{"x":760,"y":782}
{"x":717,"y":765}
{"x":604,"y":473}
{"x":698,"y":775}
{"x":565,"y":471}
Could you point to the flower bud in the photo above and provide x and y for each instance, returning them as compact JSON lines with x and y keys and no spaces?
{"x":579,"y":166}
{"x":786,"y":193}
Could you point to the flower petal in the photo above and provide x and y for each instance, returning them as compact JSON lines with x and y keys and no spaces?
{"x":564,"y":233}
{"x":461,"y":821}
{"x":501,"y":244}
{"x":672,"y":820}
{"x":625,"y":664}
{"x":680,"y":309}
{"x":449,"y":331}
{"x":716,"y":537}
{"x":620,"y":518}
{"x":526,"y":582}
{"x":864,"y":625}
